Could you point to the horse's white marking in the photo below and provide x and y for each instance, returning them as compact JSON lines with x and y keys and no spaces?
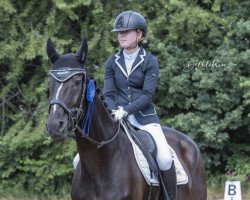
{"x":76,"y":160}
{"x":57,"y":95}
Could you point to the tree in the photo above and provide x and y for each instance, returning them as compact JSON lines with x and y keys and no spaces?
{"x":203,"y":51}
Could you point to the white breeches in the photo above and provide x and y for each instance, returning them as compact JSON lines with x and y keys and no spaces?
{"x":163,"y":157}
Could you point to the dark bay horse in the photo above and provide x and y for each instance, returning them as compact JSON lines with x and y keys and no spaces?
{"x":109,"y":172}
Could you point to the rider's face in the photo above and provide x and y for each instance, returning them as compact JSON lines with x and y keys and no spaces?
{"x":128,"y":39}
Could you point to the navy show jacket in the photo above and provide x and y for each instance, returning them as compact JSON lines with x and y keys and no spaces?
{"x":134,"y":91}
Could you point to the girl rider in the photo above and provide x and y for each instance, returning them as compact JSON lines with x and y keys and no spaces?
{"x":130,"y":81}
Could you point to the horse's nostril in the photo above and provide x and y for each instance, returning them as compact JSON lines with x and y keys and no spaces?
{"x":61,"y":126}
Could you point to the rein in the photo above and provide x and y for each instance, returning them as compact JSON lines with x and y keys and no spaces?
{"x":102,"y":143}
{"x":75,"y":114}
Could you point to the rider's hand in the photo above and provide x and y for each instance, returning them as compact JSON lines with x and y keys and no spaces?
{"x":119,"y":114}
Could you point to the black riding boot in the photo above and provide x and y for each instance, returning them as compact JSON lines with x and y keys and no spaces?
{"x":170,"y":182}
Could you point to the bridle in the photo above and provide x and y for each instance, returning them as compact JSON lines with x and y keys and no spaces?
{"x":75,"y":114}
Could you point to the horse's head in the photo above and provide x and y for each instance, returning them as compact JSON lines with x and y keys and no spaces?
{"x":67,"y":83}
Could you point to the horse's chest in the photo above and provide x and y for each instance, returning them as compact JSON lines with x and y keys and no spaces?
{"x":100,"y":188}
{"x":109,"y":194}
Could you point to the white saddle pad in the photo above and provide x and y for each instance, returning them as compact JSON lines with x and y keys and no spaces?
{"x":181,"y":175}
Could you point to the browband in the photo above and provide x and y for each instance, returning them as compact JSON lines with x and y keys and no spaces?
{"x":64,"y":74}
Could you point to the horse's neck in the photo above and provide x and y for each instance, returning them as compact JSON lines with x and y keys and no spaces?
{"x":102,"y":128}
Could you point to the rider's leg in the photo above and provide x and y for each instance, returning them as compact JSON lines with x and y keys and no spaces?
{"x":163,"y":158}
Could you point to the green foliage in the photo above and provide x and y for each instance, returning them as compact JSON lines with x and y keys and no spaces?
{"x":203,"y":51}
{"x":30,"y":159}
{"x":238,"y":169}
{"x":200,"y":91}
{"x":245,"y":83}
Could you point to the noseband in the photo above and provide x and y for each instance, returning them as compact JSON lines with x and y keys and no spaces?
{"x":62,"y":75}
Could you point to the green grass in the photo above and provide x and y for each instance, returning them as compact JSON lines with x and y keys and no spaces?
{"x":17,"y":194}
{"x":215,"y":192}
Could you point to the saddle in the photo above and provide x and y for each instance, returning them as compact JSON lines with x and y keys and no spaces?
{"x":148,"y":147}
{"x":146,"y":144}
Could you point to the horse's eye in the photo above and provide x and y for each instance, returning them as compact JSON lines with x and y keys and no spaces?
{"x":48,"y":92}
{"x":49,"y":86}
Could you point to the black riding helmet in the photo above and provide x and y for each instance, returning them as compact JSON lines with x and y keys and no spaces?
{"x":128,"y":20}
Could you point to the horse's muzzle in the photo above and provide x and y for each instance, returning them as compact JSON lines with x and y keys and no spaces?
{"x":55,"y":132}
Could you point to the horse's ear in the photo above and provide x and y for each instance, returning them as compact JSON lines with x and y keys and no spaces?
{"x":81,"y":54}
{"x":51,"y":51}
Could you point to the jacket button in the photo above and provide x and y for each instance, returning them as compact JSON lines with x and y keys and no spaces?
{"x":128,"y":88}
